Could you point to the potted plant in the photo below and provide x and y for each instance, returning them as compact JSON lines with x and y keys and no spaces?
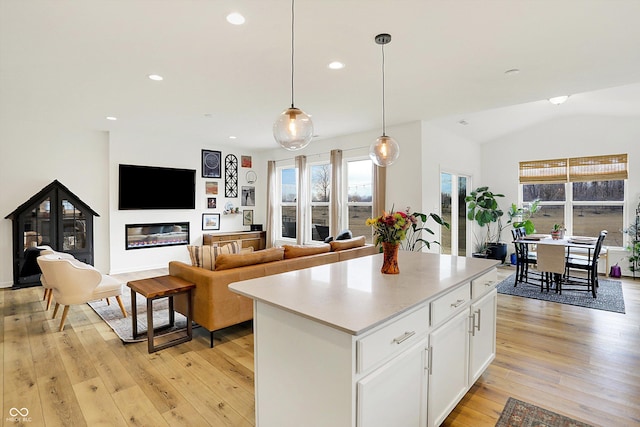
{"x":415,"y":240}
{"x":483,"y":208}
{"x":557,"y":232}
{"x":521,"y":217}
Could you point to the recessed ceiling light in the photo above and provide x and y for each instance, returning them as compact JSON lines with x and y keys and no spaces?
{"x":111,"y":118}
{"x":232,"y":137}
{"x":512,"y":72}
{"x":559,"y":99}
{"x":155,"y":77}
{"x":336,"y":65}
{"x":235,"y":18}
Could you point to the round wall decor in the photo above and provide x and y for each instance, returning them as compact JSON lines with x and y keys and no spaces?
{"x":251,"y":177}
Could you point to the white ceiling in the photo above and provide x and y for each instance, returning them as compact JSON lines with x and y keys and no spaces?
{"x":77,"y":61}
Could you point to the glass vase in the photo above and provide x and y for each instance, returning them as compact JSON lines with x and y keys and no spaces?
{"x":390,"y":253}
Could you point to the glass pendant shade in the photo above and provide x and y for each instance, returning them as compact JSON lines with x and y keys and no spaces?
{"x":384,"y":151}
{"x":293,"y":129}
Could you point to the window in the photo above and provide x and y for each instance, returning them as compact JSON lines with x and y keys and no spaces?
{"x":589,"y":197}
{"x":453,"y":209}
{"x":288,"y":187}
{"x":359,"y":197}
{"x":320,"y":198}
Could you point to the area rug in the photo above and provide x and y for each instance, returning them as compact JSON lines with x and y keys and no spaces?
{"x":521,"y":414}
{"x":123,"y":327}
{"x":610,"y":297}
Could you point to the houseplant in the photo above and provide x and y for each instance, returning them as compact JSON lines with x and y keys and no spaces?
{"x":415,"y":240}
{"x":521,"y":217}
{"x":390,"y":229}
{"x":483,"y":208}
{"x":557,"y":232}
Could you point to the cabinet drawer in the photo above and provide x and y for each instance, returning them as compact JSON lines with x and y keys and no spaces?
{"x":395,"y":337}
{"x":484,"y":283}
{"x":449,"y":304}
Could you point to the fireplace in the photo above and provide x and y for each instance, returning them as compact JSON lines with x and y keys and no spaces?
{"x":140,"y":236}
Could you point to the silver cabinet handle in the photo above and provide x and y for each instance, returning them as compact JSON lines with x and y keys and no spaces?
{"x":430,"y":350}
{"x":458,"y":303}
{"x":478,"y":312}
{"x":490,"y":283}
{"x":404,"y":337}
{"x":472,"y":324}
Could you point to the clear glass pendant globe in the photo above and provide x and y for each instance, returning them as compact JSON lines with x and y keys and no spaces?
{"x":384,"y":151}
{"x":293,"y":129}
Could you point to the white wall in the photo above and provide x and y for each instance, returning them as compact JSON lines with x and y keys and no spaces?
{"x":167,"y":151}
{"x":32,"y":155}
{"x":443,"y":151}
{"x":564,"y":137}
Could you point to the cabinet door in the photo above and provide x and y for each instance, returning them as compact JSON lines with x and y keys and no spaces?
{"x":395,"y":393}
{"x":449,"y":361}
{"x":483,"y":337}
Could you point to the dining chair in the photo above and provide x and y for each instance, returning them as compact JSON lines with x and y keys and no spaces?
{"x":588,"y":264}
{"x":74,"y":282}
{"x":523,"y":258}
{"x":551,"y":265}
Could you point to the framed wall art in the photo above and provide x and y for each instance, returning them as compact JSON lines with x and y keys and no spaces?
{"x":247,"y":217}
{"x":211,"y":187}
{"x":248,"y":196}
{"x":211,"y":166}
{"x":231,"y":176}
{"x":245,"y":161}
{"x":211,"y":202}
{"x":211,"y":221}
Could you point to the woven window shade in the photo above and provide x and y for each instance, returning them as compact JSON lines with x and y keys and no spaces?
{"x":547,"y":171}
{"x":598,"y":168}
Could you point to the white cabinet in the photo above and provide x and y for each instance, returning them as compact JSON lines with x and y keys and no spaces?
{"x":448,"y":362}
{"x":483,"y":335}
{"x":394,"y":394}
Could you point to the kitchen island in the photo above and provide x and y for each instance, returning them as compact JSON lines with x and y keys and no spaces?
{"x":344,"y":345}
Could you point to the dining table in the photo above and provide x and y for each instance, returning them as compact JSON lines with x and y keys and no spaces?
{"x":552,"y":254}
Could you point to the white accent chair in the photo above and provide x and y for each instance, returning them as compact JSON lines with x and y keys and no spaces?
{"x":48,"y":251}
{"x":74,"y":282}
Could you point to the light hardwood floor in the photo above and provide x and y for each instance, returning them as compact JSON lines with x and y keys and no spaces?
{"x":581,"y":362}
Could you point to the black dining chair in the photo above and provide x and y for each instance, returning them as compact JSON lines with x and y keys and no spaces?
{"x":523,"y":257}
{"x":587,"y":263}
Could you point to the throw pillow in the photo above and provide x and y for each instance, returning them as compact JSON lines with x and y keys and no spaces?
{"x":341,"y":245}
{"x":205,"y":256}
{"x":344,"y":235}
{"x":295,"y":251}
{"x":226,"y":262}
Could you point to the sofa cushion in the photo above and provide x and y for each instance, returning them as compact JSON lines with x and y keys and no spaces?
{"x":295,"y":251}
{"x":340,"y":245}
{"x":228,"y":261}
{"x":205,"y":256}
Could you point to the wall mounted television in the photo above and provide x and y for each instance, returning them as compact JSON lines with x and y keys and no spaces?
{"x":151,"y":187}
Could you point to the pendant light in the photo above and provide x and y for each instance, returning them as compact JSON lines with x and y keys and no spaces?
{"x":385,"y":150}
{"x":293,"y":128}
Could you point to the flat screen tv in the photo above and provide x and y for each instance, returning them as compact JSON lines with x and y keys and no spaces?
{"x":150,"y":187}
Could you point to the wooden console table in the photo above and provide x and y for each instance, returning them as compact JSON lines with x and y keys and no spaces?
{"x":153,"y":289}
{"x":255,"y":239}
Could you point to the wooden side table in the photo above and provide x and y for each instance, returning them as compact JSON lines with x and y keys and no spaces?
{"x":161,"y":287}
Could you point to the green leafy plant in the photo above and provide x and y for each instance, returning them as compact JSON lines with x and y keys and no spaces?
{"x":521,"y":217}
{"x":482,"y":207}
{"x":415,"y":241}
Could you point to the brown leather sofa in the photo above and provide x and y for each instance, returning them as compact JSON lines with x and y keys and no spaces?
{"x":216,"y":307}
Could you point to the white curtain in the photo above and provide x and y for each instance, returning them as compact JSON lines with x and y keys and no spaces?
{"x":379,"y":189}
{"x":303,"y":200}
{"x":335,"y":205}
{"x":271,"y":203}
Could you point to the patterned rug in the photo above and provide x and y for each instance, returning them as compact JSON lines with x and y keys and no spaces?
{"x":521,"y":414}
{"x":123,"y":327}
{"x":610,"y":297}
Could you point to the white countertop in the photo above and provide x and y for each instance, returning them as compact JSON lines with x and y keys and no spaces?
{"x":354,"y":296}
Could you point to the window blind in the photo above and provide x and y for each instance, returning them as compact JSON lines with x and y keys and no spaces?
{"x":575,"y":169}
{"x":598,"y":168}
{"x":547,"y":171}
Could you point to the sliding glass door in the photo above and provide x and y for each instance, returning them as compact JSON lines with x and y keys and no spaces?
{"x":453,"y":190}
